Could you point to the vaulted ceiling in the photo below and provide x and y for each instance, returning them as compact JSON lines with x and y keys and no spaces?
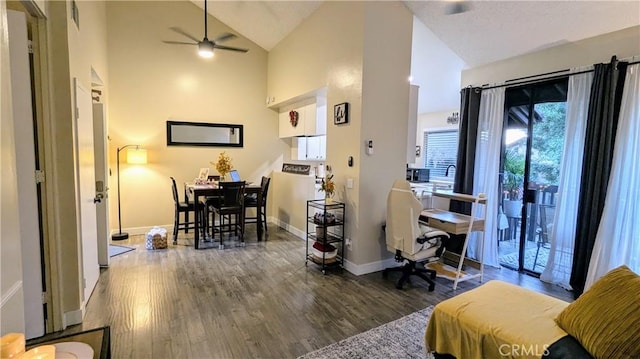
{"x":444,"y":43}
{"x":489,"y":31}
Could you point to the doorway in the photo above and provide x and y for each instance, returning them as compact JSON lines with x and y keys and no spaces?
{"x":533,"y":140}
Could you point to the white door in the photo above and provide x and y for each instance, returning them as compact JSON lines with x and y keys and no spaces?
{"x":102,"y":185}
{"x":86,"y":191}
{"x":25,"y":170}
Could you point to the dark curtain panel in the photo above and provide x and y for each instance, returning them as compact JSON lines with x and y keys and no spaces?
{"x":469,"y":111}
{"x":602,"y":122}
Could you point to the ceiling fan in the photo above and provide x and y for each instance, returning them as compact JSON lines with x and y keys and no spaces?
{"x":206,"y":46}
{"x":457,"y":7}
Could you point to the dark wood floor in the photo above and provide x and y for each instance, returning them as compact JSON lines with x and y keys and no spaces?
{"x":259,"y":301}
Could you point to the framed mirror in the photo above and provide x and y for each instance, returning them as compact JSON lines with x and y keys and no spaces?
{"x":204,"y":134}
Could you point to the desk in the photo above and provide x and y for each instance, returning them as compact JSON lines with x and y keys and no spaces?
{"x":202,"y":190}
{"x":458,"y":223}
{"x":99,"y":340}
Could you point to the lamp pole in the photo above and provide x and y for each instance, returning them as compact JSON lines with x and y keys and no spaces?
{"x":120,"y":236}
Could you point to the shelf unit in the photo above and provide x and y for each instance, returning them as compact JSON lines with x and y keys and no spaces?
{"x":333,"y":232}
{"x":457,"y":223}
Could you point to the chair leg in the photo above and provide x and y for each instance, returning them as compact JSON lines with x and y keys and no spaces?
{"x":409,"y":269}
{"x":264,"y":219}
{"x":175,"y":227}
{"x":186,"y":221}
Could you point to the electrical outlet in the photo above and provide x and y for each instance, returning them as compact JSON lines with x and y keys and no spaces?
{"x":347,"y":242}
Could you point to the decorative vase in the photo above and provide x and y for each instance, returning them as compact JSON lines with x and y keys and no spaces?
{"x":327,"y":198}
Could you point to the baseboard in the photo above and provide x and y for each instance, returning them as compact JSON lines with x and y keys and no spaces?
{"x":289,"y":228}
{"x":142,"y":230}
{"x":361,"y":269}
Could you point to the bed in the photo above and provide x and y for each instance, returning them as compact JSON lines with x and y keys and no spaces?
{"x":495,"y":320}
{"x":501,"y":320}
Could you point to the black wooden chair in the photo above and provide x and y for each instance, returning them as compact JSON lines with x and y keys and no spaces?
{"x":181,"y":207}
{"x":252,"y":202}
{"x":230,"y":211}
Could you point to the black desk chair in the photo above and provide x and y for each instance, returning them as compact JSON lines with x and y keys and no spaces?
{"x":184,"y":207}
{"x":231,"y":209}
{"x":251,"y":201}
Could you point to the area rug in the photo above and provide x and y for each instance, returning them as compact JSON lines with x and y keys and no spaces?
{"x":115,"y":250}
{"x":402,"y":338}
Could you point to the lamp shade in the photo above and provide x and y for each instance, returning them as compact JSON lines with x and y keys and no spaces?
{"x":136,"y":156}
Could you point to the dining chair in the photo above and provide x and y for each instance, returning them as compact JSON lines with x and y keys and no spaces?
{"x":230,"y":211}
{"x":181,"y":207}
{"x":252,"y":202}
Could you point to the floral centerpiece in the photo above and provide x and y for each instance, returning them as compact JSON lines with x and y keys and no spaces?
{"x":223,"y":165}
{"x":328,"y":187}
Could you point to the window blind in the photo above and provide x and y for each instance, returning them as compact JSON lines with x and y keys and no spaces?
{"x":441,"y":150}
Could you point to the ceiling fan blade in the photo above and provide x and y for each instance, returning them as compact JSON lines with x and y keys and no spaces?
{"x":183,"y":33}
{"x":458,"y":7}
{"x":230,"y":48}
{"x":179,"y":42}
{"x":224,"y":37}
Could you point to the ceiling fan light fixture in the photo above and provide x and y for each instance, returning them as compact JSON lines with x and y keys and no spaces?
{"x":205,"y":49}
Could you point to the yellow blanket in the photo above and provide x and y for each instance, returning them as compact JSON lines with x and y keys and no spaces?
{"x":495,"y":320}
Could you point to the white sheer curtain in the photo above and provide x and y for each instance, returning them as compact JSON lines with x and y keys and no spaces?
{"x":618,"y":238}
{"x":485,"y":177}
{"x":558,"y":267}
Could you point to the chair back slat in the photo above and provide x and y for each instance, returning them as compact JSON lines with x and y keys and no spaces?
{"x":232,"y":193}
{"x":174,"y":188}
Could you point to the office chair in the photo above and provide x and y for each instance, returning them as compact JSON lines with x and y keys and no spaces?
{"x":252,"y":202}
{"x":407,"y":238}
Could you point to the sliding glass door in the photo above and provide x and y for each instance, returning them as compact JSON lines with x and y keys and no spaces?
{"x":532,"y":149}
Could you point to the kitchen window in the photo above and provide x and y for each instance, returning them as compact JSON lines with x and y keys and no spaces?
{"x":441,"y":151}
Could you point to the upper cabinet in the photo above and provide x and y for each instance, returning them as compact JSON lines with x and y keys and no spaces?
{"x":304,"y":118}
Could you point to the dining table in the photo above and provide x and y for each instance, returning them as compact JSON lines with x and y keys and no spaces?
{"x":196,"y":191}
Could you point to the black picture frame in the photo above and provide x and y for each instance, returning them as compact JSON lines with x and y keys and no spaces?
{"x":341,"y":113}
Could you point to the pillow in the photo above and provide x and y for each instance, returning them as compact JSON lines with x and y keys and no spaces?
{"x":606,"y":318}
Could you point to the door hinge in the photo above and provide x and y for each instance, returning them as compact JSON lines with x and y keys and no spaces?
{"x":30,"y":46}
{"x":39,"y":176}
{"x":77,"y":113}
{"x":84,"y":283}
{"x":44,"y":297}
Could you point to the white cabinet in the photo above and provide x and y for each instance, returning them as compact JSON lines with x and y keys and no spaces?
{"x":286,"y":127}
{"x":312,"y":118}
{"x":309,"y":148}
{"x":315,"y":119}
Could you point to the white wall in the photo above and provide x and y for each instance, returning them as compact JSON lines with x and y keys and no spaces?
{"x":624,"y":43}
{"x":329,"y":49}
{"x":12,"y":301}
{"x":151,"y":82}
{"x":436,"y":69}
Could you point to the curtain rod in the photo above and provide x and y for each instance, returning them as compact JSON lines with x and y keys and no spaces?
{"x":541,"y":77}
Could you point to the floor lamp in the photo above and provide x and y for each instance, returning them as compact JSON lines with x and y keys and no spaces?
{"x":134,"y":156}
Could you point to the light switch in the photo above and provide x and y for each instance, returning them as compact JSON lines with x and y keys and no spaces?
{"x":349,"y":183}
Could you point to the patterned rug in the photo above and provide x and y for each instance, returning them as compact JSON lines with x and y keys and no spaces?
{"x":402,"y":338}
{"x":511,"y":260}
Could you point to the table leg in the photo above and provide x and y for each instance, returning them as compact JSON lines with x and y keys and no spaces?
{"x":259,"y":215}
{"x":196,"y":215}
